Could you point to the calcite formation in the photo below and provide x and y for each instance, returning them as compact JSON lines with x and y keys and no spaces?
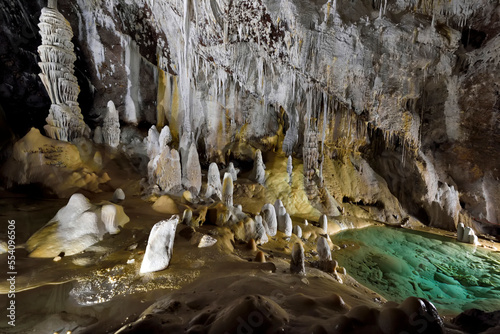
{"x":160,"y":246}
{"x":111,"y":126}
{"x":65,"y":121}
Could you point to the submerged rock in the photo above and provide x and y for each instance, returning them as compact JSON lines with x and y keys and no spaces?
{"x":160,"y":246}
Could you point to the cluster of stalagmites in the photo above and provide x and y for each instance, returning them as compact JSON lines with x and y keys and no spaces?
{"x":466,"y":234}
{"x":65,"y":121}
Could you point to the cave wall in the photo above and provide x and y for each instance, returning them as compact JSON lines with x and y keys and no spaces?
{"x":412,"y":85}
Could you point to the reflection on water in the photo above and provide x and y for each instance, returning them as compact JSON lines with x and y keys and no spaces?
{"x":398,"y":263}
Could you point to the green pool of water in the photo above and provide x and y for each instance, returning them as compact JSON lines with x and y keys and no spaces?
{"x":399,"y":263}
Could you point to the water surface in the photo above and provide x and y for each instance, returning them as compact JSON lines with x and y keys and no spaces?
{"x":398,"y":263}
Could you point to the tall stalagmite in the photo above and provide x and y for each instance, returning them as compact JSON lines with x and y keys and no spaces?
{"x":65,"y":120}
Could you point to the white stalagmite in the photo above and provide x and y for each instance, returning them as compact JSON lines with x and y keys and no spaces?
{"x":286,"y":225}
{"x":260,"y":230}
{"x":227,"y":190}
{"x":258,"y":172}
{"x":281,"y":217}
{"x":323,"y":223}
{"x":65,"y":120}
{"x":269,"y":219}
{"x":323,"y":250}
{"x":160,"y":246}
{"x":297,"y":230}
{"x":165,"y":137}
{"x":192,"y":178}
{"x":111,"y":126}
{"x":214,"y":186}
{"x":108,"y":215}
{"x":232,"y":171}
{"x":152,"y":142}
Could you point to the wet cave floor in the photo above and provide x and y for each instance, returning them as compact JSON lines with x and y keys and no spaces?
{"x":100,"y":290}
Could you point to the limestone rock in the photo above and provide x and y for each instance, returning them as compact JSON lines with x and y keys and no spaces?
{"x":286,"y":225}
{"x":160,"y":246}
{"x":165,"y":205}
{"x":108,"y":217}
{"x":202,"y":240}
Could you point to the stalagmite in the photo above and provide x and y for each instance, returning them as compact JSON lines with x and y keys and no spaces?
{"x":297,"y":264}
{"x":258,"y":172}
{"x":160,"y":246}
{"x":286,"y":225}
{"x":214,"y":186}
{"x":108,"y":215}
{"x":260,"y":230}
{"x":227,"y":190}
{"x":111,"y":127}
{"x":192,"y":178}
{"x":323,"y":223}
{"x":152,"y":142}
{"x":297,"y":230}
{"x":65,"y":121}
{"x":323,"y":249}
{"x":165,"y":137}
{"x":232,"y":171}
{"x":269,"y":219}
{"x":167,"y":171}
{"x":187,"y":216}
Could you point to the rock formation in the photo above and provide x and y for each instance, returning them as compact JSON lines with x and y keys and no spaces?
{"x":227,"y":190}
{"x":286,"y":225}
{"x":65,"y":121}
{"x":160,"y":246}
{"x":297,"y":230}
{"x":191,"y":179}
{"x":297,"y":263}
{"x":233,"y":171}
{"x":75,"y":227}
{"x":214,"y":186}
{"x":259,"y":169}
{"x":260,"y":231}
{"x":111,"y":126}
{"x":323,"y":223}
{"x":269,"y":219}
